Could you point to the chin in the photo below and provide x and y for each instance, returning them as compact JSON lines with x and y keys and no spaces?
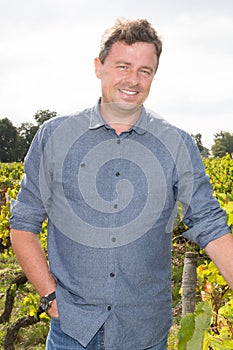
{"x":128,"y":106}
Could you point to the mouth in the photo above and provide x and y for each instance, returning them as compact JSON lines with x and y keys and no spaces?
{"x":128,"y":92}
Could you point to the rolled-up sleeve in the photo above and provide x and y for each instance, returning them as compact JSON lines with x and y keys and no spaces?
{"x":27,"y":211}
{"x":205,"y":219}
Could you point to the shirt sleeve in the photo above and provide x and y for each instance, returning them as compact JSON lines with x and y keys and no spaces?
{"x":205,"y":219}
{"x":28,"y":211}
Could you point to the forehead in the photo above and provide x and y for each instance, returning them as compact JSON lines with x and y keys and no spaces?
{"x":139,"y":51}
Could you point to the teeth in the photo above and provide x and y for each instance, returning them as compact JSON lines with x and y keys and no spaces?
{"x":129,"y":92}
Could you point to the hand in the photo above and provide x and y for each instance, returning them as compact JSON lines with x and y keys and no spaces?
{"x":53,"y":310}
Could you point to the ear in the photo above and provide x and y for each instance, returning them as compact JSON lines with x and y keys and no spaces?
{"x":98,"y":66}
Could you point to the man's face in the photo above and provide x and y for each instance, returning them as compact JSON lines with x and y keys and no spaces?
{"x":127,"y":73}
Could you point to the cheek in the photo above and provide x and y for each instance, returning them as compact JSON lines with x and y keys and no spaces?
{"x":146,"y":85}
{"x":110,"y":80}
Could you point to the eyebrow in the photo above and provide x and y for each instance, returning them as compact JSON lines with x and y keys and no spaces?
{"x":130,"y":64}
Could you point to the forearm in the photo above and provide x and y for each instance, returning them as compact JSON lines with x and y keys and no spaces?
{"x":31,"y":257}
{"x":221,"y":253}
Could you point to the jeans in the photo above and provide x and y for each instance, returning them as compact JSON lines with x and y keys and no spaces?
{"x":57,"y":340}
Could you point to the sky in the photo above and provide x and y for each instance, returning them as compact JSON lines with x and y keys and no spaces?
{"x":47,"y":50}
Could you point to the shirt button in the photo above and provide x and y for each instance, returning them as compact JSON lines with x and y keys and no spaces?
{"x":113,"y":239}
{"x":118,"y":141}
{"x":83,"y":165}
{"x":109,"y":308}
{"x":115,"y":206}
{"x":117,"y":173}
{"x":112,"y":274}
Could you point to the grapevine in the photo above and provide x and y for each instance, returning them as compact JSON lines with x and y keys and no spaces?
{"x":216,"y":330}
{"x":212,"y":322}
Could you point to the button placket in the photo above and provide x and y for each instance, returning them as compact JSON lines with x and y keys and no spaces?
{"x":115,"y":173}
{"x":111,"y":281}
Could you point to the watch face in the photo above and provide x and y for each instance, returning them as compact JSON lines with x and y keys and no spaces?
{"x":44,"y":303}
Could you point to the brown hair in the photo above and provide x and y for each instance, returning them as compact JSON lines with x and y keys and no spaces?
{"x":129,"y":31}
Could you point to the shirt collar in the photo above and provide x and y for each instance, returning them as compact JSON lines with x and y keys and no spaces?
{"x":96,"y":120}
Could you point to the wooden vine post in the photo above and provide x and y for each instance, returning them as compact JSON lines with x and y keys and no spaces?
{"x":189,"y":283}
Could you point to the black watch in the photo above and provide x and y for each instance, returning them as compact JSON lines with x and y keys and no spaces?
{"x":46,"y":301}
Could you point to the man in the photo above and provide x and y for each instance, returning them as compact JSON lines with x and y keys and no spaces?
{"x":109,"y":180}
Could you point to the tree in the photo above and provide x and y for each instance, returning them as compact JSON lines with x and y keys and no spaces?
{"x":42,"y":115}
{"x":8,"y":140}
{"x":223,"y":144}
{"x":27,"y":131}
{"x":15,"y":141}
{"x":198,"y":140}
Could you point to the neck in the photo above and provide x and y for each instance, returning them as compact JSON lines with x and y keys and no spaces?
{"x":120,"y":117}
{"x":119,"y":127}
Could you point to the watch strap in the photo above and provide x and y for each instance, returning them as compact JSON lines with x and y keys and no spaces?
{"x":50,"y":296}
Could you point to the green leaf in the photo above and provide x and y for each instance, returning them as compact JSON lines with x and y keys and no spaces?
{"x":194,"y":326}
{"x":186,"y":331}
{"x":220,"y":344}
{"x":203,"y":315}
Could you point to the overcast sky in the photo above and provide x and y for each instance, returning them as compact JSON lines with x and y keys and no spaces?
{"x":47,"y":48}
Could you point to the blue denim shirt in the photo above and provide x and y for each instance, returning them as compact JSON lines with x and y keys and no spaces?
{"x":111,"y":202}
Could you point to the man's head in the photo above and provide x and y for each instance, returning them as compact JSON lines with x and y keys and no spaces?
{"x":130,"y":32}
{"x":127,"y":63}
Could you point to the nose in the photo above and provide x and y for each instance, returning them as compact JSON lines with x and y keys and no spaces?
{"x":132,"y":77}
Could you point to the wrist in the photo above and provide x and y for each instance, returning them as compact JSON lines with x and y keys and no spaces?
{"x":46,"y":302}
{"x":53,"y":311}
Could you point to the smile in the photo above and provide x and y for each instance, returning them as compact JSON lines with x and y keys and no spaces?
{"x":129,"y":92}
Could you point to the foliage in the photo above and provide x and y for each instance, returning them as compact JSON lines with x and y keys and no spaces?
{"x":42,"y":115}
{"x":213,"y":290}
{"x":25,"y":297}
{"x":8,"y":136}
{"x":220,"y":171}
{"x":26,"y":133}
{"x":211,"y":325}
{"x":10,"y":176}
{"x":194,"y":331}
{"x":198,"y":140}
{"x":223,"y":144}
{"x":15,"y":141}
{"x":193,"y":328}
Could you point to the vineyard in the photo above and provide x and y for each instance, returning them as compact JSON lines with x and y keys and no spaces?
{"x":210,"y":327}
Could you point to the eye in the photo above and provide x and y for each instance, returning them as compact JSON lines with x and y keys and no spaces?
{"x":146,"y":72}
{"x":122,"y":66}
